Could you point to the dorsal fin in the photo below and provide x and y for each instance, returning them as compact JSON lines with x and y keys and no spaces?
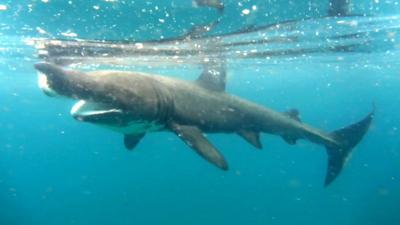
{"x":251,"y":137}
{"x":213,"y":76}
{"x":294,"y":114}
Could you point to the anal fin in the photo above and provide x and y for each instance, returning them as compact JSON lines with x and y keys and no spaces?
{"x":131,"y":140}
{"x":251,"y":137}
{"x":195,"y":139}
{"x":289,"y":139}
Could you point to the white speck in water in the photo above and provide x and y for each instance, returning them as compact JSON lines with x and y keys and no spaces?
{"x":245,"y":11}
{"x":96,"y":7}
{"x":340,"y":58}
{"x":69,"y":34}
{"x":3,"y":7}
{"x":42,"y":52}
{"x":139,"y":45}
{"x":40,"y":30}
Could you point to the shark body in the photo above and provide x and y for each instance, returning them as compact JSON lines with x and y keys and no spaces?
{"x":135,"y":103}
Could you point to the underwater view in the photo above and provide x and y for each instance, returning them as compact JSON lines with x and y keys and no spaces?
{"x":199,"y":112}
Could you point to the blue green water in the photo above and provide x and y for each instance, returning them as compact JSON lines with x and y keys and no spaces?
{"x":55,"y":170}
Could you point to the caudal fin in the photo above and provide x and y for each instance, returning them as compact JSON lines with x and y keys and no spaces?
{"x":347,"y":139}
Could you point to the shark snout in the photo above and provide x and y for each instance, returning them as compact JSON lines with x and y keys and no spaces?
{"x":52,"y":79}
{"x":46,"y":73}
{"x":42,"y":66}
{"x":48,"y":69}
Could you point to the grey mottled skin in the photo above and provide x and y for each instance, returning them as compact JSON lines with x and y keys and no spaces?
{"x":188,"y":109}
{"x":165,"y":99}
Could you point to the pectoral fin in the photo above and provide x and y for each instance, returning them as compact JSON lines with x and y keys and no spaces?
{"x":131,"y":140}
{"x":251,"y":137}
{"x":194,"y":138}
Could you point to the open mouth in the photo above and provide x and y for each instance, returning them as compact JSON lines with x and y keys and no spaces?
{"x":94,"y":112}
{"x":112,"y":118}
{"x":82,"y":110}
{"x":45,"y":86}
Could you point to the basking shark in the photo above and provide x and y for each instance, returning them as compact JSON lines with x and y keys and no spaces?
{"x":135,"y":104}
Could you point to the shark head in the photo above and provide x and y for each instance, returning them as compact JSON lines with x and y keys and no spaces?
{"x":119,"y":101}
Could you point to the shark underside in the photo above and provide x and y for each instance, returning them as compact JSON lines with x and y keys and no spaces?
{"x":135,"y":103}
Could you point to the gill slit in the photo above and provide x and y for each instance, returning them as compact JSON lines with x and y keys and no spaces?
{"x":165,"y":105}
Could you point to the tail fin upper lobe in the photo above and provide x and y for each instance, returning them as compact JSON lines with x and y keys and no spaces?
{"x":347,"y":138}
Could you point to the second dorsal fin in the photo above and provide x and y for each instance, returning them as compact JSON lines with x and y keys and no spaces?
{"x":213,"y":76}
{"x":294,"y":114}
